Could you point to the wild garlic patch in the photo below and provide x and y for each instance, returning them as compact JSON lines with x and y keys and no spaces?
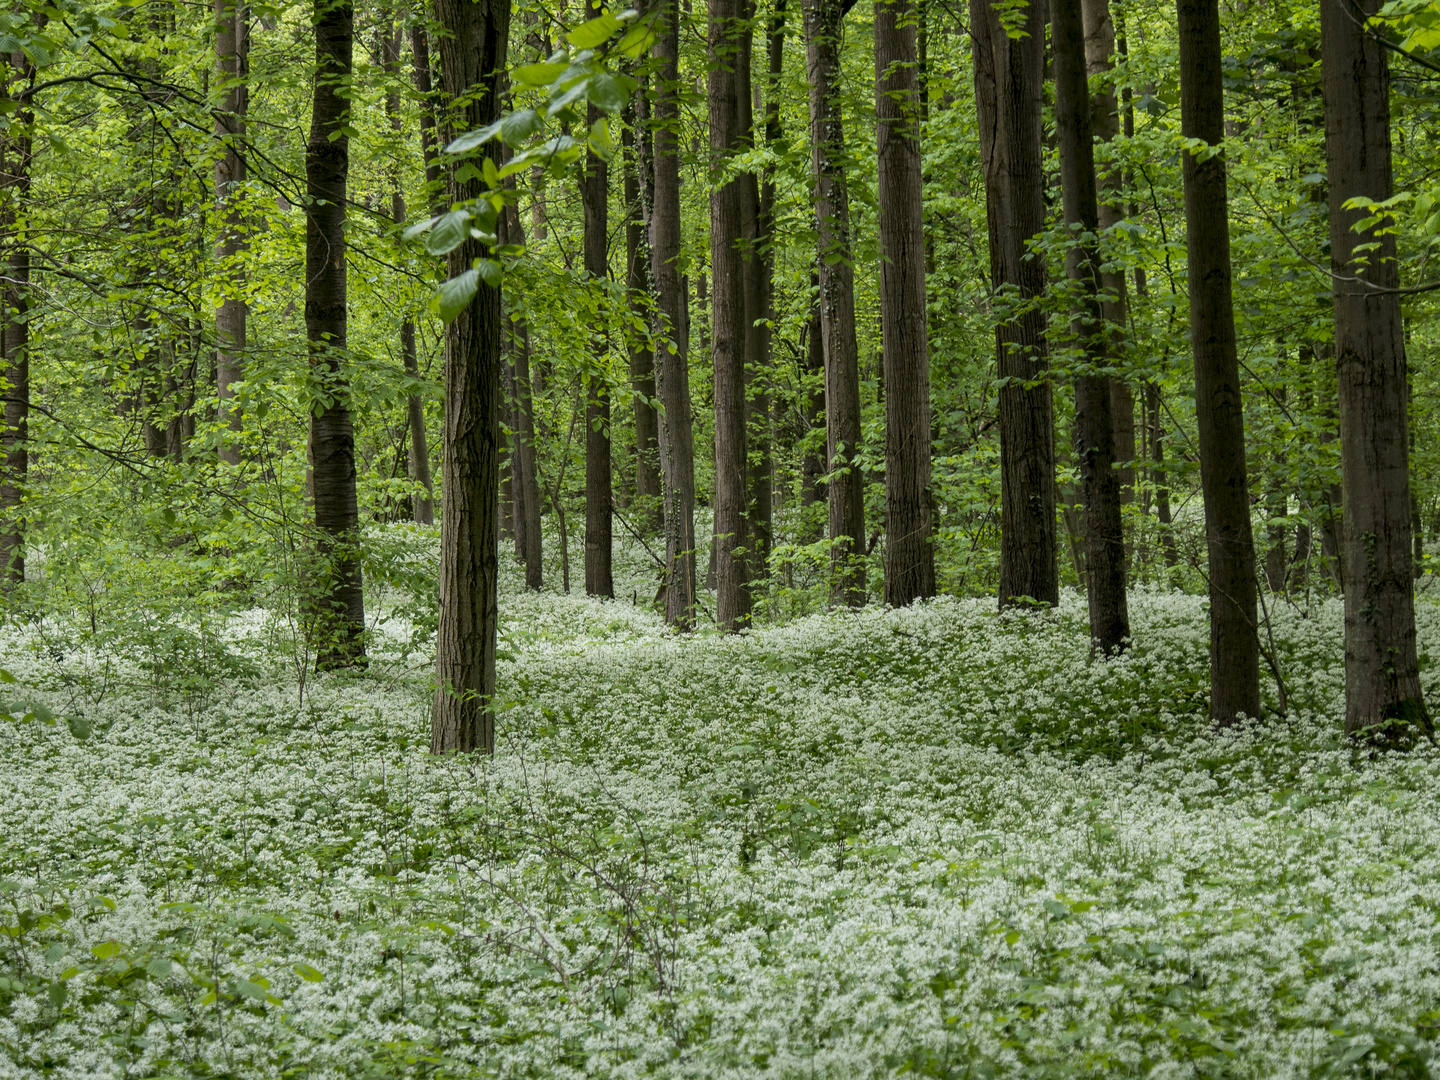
{"x":936,"y":841}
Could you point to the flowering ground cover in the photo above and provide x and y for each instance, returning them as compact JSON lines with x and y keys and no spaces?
{"x":935,"y":841}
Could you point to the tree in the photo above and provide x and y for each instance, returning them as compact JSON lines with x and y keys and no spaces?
{"x":729,"y":80}
{"x":527,"y":476}
{"x":1009,"y":96}
{"x":1383,"y":699}
{"x":837,"y":301}
{"x":340,"y":615}
{"x":595,"y":194}
{"x":672,"y":372}
{"x":232,"y":47}
{"x":909,"y":551}
{"x":16,"y":148}
{"x":637,"y":286}
{"x":472,"y":60}
{"x":1094,"y":436}
{"x":1219,"y":414}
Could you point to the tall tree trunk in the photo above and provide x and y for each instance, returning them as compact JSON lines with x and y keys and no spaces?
{"x":774,"y":134}
{"x":1383,"y":700}
{"x":637,"y":284}
{"x":595,"y":193}
{"x":672,"y":372}
{"x":909,"y":551}
{"x":837,"y":302}
{"x":472,"y":61}
{"x":1094,"y":436}
{"x":341,"y":613}
{"x":812,"y":469}
{"x":15,"y":169}
{"x":429,"y":150}
{"x":423,"y":507}
{"x":1009,"y":92}
{"x":232,"y":48}
{"x":728,"y":265}
{"x":1219,"y":415}
{"x":1099,"y":63}
{"x":524,"y":465}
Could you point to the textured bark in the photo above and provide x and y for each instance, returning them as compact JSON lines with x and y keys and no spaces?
{"x":909,"y":550}
{"x":529,"y":541}
{"x":728,"y":312}
{"x":837,"y":302}
{"x":472,"y":58}
{"x":1219,"y":415}
{"x":774,"y":135}
{"x":672,"y":373}
{"x":637,"y":284}
{"x":1099,"y":62}
{"x":15,"y":171}
{"x":424,"y":506}
{"x":340,"y":614}
{"x":599,"y":578}
{"x":1383,"y":700}
{"x":1009,"y":91}
{"x":812,"y":469}
{"x":1094,"y":436}
{"x":232,"y":47}
{"x":429,"y":150}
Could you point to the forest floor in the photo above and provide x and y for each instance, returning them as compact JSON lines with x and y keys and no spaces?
{"x":934,"y":841}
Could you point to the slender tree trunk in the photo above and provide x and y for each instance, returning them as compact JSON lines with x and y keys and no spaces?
{"x":429,"y":150}
{"x":637,"y":283}
{"x":15,"y":170}
{"x":340,"y":614}
{"x":1099,"y":63}
{"x":1383,"y":700}
{"x":774,"y":134}
{"x":812,"y":469}
{"x":837,"y":302}
{"x":523,"y":455}
{"x":599,"y":578}
{"x":1219,"y":415}
{"x":1094,"y":436}
{"x":672,"y":372}
{"x":1009,"y":92}
{"x":728,"y":265}
{"x":909,"y":551}
{"x":232,"y":47}
{"x":472,"y":60}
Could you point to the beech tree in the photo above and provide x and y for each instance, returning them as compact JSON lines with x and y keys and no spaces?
{"x":17,"y":78}
{"x":1383,"y":698}
{"x":599,"y":522}
{"x":637,"y":285}
{"x":1009,"y":98}
{"x":231,"y":63}
{"x":909,"y":552}
{"x":1219,"y":411}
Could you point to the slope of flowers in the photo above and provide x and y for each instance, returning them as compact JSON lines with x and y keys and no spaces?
{"x":934,"y":841}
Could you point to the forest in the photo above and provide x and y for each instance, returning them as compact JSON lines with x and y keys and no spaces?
{"x":765,"y":538}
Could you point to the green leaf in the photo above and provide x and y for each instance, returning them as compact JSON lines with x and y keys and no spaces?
{"x":519,"y":126}
{"x":491,"y":272}
{"x":57,"y":952}
{"x":537,"y":74}
{"x":159,"y":968}
{"x":606,"y":94}
{"x":456,"y":293}
{"x":254,"y":991}
{"x":471,"y":139}
{"x":595,"y":32}
{"x":492,"y":174}
{"x":637,"y":40}
{"x":106,"y":949}
{"x":57,"y":993}
{"x":409,"y":234}
{"x":308,"y":973}
{"x":600,"y":140}
{"x":42,"y":713}
{"x":568,"y":98}
{"x":5,"y":677}
{"x":449,"y":232}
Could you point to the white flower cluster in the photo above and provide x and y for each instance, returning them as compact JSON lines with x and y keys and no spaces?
{"x":936,"y":841}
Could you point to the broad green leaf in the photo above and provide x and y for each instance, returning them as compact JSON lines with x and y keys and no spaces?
{"x":637,"y":40}
{"x":79,"y":727}
{"x":106,"y":949}
{"x":492,"y":174}
{"x":246,"y":988}
{"x":491,"y":272}
{"x":471,"y":139}
{"x":159,"y":968}
{"x":519,"y":126}
{"x":449,"y":232}
{"x":568,"y":98}
{"x":595,"y":32}
{"x":537,"y":74}
{"x":5,"y":677}
{"x":606,"y":94}
{"x":456,"y":293}
{"x":409,"y":234}
{"x":57,"y":993}
{"x":57,"y":952}
{"x":308,"y":973}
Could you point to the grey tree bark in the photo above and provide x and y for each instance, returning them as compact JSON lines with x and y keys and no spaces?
{"x":472,"y":61}
{"x":1009,"y":92}
{"x":837,"y":301}
{"x":1219,"y":412}
{"x":909,"y":549}
{"x":16,"y":149}
{"x":637,"y":283}
{"x":599,"y":523}
{"x":1383,"y":699}
{"x":232,"y":47}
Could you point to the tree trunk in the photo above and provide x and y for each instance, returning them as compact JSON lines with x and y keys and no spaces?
{"x":472,"y":60}
{"x":1009,"y":92}
{"x":340,"y":615}
{"x":812,"y":469}
{"x":837,"y":302}
{"x":1219,"y":415}
{"x":637,"y":284}
{"x":727,"y":82}
{"x":909,"y":551}
{"x":15,"y":169}
{"x":524,"y":465}
{"x":232,"y":63}
{"x":1383,"y":700}
{"x":430,"y":152}
{"x":1094,"y":436}
{"x":595,"y":193}
{"x":672,"y":372}
{"x":774,"y":134}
